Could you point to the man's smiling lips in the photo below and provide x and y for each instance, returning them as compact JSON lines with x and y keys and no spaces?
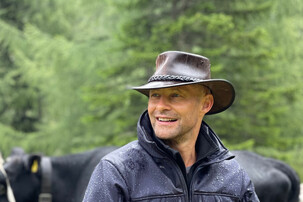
{"x":162,"y":119}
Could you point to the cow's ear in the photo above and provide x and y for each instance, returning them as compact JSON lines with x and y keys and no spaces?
{"x":17,"y":151}
{"x":34,"y":163}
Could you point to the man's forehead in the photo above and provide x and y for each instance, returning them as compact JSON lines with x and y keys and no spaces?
{"x":174,"y":88}
{"x":182,"y":88}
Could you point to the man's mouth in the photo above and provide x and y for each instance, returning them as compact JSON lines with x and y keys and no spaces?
{"x":166,"y":119}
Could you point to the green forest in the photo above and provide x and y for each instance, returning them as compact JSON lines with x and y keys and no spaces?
{"x":66,"y":68}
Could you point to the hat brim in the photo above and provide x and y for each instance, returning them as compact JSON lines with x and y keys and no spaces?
{"x":222,"y":91}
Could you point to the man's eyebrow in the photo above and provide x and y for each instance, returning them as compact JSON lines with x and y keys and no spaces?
{"x":182,"y":89}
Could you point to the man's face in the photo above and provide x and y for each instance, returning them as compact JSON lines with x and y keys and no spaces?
{"x":176,"y":113}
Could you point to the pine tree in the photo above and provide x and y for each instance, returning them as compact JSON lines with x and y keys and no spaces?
{"x":213,"y":29}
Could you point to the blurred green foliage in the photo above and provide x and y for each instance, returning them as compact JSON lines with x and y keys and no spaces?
{"x":66,"y":66}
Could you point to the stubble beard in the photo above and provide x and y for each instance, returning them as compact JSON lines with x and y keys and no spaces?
{"x":175,"y":138}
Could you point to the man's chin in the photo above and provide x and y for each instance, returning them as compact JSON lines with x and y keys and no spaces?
{"x":165,"y":136}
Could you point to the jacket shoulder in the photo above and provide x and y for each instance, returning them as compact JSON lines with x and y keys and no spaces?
{"x":125,"y":155}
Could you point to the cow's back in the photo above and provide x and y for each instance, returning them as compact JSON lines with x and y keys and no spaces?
{"x":273,"y":179}
{"x":71,"y":173}
{"x":94,"y":159}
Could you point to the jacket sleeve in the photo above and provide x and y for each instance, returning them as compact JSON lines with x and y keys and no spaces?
{"x":249,"y":190}
{"x":106,"y":184}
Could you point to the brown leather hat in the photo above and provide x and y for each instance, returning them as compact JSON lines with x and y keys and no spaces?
{"x":175,"y":68}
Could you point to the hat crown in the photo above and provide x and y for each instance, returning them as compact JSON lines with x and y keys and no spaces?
{"x":176,"y":65}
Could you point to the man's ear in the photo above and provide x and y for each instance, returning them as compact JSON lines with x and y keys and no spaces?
{"x":208,"y":103}
{"x":32,"y":163}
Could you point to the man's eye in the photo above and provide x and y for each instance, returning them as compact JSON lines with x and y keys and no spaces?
{"x":154,"y":95}
{"x":175,"y":95}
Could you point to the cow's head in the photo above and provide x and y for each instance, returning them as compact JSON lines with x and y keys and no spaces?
{"x":24,"y":174}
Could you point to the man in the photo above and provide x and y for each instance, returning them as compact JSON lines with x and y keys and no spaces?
{"x":177,"y":156}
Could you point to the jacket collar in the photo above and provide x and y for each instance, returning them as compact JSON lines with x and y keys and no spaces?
{"x":208,"y":146}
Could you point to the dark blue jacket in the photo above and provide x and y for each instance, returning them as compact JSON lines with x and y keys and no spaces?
{"x":148,"y":170}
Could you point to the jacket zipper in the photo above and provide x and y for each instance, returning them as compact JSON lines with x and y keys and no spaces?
{"x":180,"y":174}
{"x":184,"y":183}
{"x":191,"y":182}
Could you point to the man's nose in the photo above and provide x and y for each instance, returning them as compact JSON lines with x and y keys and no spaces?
{"x":163,"y":103}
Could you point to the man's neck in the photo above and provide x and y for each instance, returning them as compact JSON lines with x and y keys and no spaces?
{"x":189,"y":157}
{"x":187,"y":151}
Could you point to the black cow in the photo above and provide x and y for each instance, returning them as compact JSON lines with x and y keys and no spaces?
{"x":274,"y":180}
{"x":69,"y":175}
